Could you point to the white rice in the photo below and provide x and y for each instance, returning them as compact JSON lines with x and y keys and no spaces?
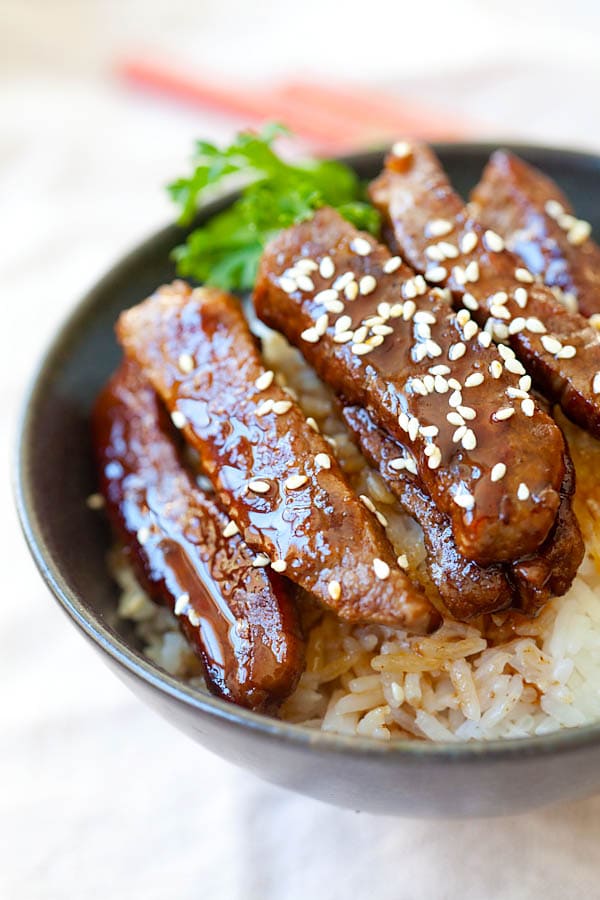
{"x":502,"y":676}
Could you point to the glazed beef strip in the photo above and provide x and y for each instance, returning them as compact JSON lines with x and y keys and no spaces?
{"x":537,"y":222}
{"x":428,"y":223}
{"x":240,"y":619}
{"x":271,"y":471}
{"x":486,"y":454}
{"x":467,"y":589}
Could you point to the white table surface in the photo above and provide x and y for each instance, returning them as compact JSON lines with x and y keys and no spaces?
{"x":99,"y":798}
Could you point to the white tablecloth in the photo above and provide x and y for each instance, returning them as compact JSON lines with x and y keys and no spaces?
{"x":100,"y":798}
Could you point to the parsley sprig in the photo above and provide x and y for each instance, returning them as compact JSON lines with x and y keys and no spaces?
{"x":275,"y":194}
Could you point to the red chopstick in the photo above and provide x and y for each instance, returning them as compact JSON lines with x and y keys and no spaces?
{"x":331,"y":118}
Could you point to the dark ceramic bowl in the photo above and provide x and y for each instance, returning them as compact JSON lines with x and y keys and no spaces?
{"x":68,"y":542}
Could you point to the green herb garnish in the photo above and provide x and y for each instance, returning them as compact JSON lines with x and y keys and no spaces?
{"x":225,"y":251}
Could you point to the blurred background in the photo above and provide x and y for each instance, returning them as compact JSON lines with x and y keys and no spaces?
{"x":100,"y":101}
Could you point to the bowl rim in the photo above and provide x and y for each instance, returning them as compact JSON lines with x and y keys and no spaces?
{"x":565,"y":740}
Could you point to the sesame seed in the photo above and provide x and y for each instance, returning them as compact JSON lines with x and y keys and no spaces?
{"x":455,"y":418}
{"x":381,"y":519}
{"x":413,"y":428}
{"x":470,"y":330}
{"x":408,"y":310}
{"x":472,"y":271}
{"x":392,"y":265}
{"x":403,"y":563}
{"x":467,"y":412}
{"x":474,"y":380}
{"x":334,"y":590}
{"x":596,"y":383}
{"x":528,"y":407}
{"x":435,"y":458}
{"x":579,"y":233}
{"x":305,"y":283}
{"x":552,"y":345}
{"x":287,"y":284}
{"x":455,"y":384}
{"x":484,"y":338}
{"x":521,"y":297}
{"x":295,"y":481}
{"x":95,"y":501}
{"x":193,"y":617}
{"x":323,"y":460}
{"x":181,"y":604}
{"x":499,"y":312}
{"x":464,"y":499}
{"x":342,"y":337}
{"x":367,"y":502}
{"x":567,"y":352}
{"x":469,"y":441}
{"x":554,"y":209}
{"x":502,"y":414}
{"x":382,"y":330}
{"x":402,"y":149}
{"x":468,"y":242}
{"x":361,"y":349}
{"x":343,"y":323}
{"x":566,"y":221}
{"x":327,"y":268}
{"x":506,"y":352}
{"x":459,"y":274}
{"x":396,"y":310}
{"x":498,"y":472}
{"x":514,"y":366}
{"x":330,"y":300}
{"x":310,"y":335}
{"x":321,"y":324}
{"x":419,"y":352}
{"x":455,"y":399}
{"x":422,"y":330}
{"x":381,"y":569}
{"x":435,"y":253}
{"x":433,"y":349}
{"x":265,"y":407}
{"x":516,"y":393}
{"x":440,"y":385}
{"x":440,"y":370}
{"x":438,"y":228}
{"x":343,"y":281}
{"x":525,"y":382}
{"x":143,"y":535}
{"x":436,"y":274}
{"x":470,"y":302}
{"x":534,"y":325}
{"x":312,"y":424}
{"x":367,"y":285}
{"x":351,"y":291}
{"x":186,"y":363}
{"x":383,"y":309}
{"x":429,"y":381}
{"x":264,"y":381}
{"x":403,"y":421}
{"x":230,"y":529}
{"x":459,"y":434}
{"x":493,"y":241}
{"x":259,"y":487}
{"x":456,"y":351}
{"x":524,"y":275}
{"x":178,"y":419}
{"x":517,"y":325}
{"x":397,"y":464}
{"x":523,"y":491}
{"x":409,"y":289}
{"x":423,"y":316}
{"x":417,"y":387}
{"x":463,"y":316}
{"x":306,"y":265}
{"x":279,"y":565}
{"x":360,"y":246}
{"x":430,"y":430}
{"x":260,"y":560}
{"x":282,"y":406}
{"x":449,"y":251}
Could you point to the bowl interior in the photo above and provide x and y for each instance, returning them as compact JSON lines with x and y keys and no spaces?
{"x":54,"y":469}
